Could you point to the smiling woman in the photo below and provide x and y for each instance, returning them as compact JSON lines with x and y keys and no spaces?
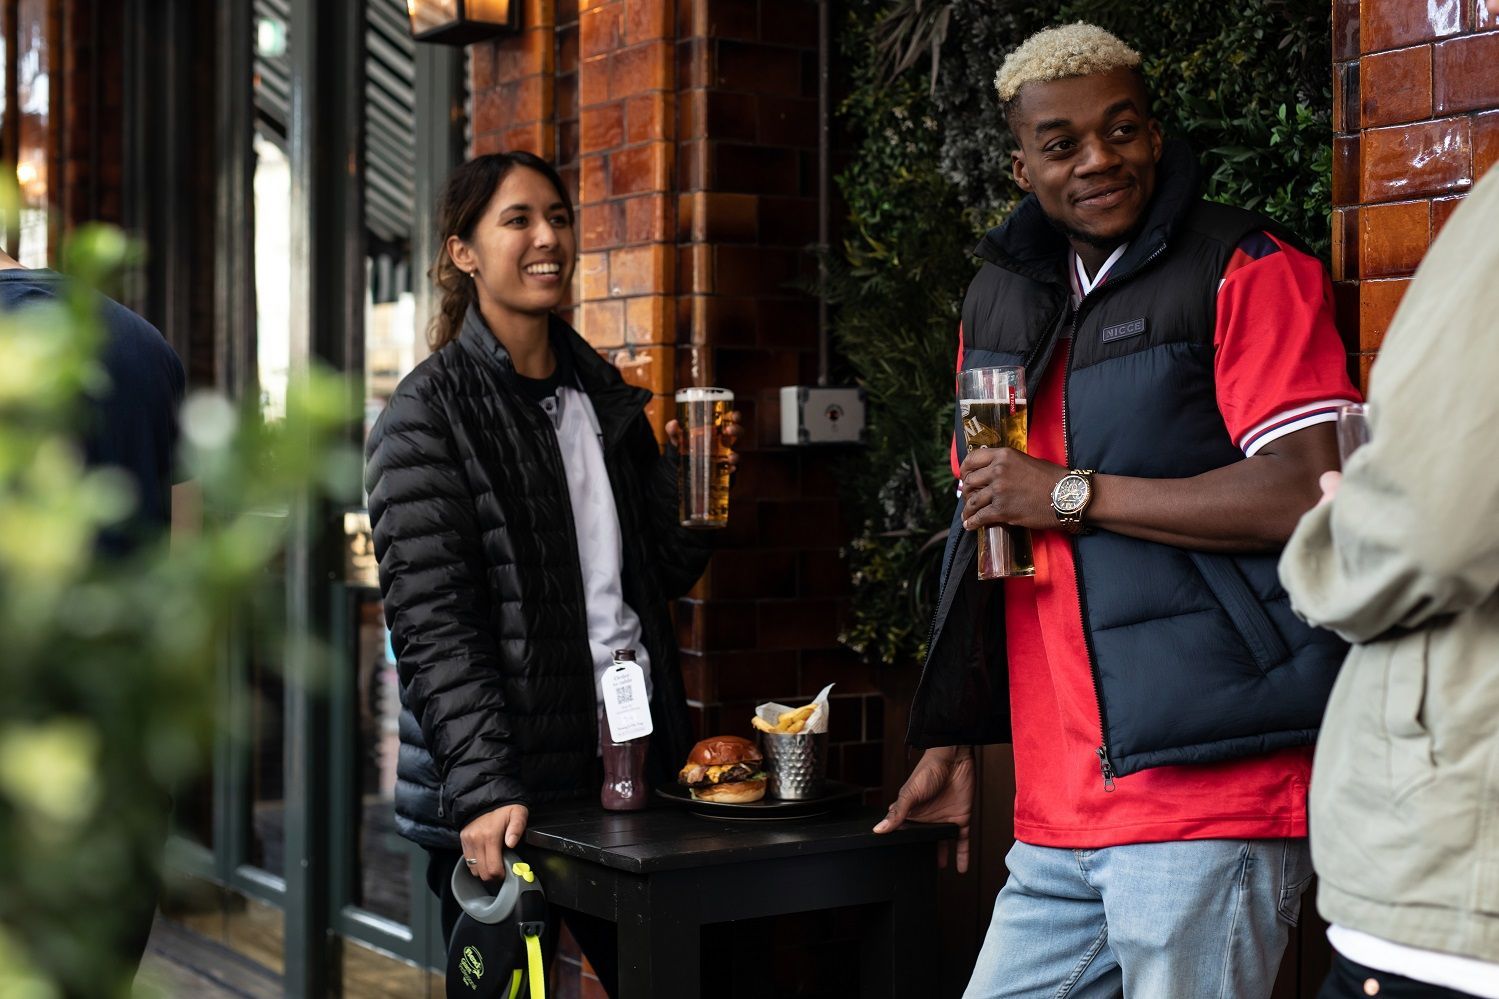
{"x":525,"y":524}
{"x":508,"y":247}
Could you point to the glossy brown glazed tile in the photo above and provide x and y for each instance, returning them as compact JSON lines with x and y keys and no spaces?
{"x":1393,"y":238}
{"x":1378,"y":301}
{"x":1407,"y":161}
{"x":788,"y":122}
{"x":1395,"y":86}
{"x":1345,"y":97}
{"x":1466,"y":73}
{"x":789,"y":23}
{"x":647,"y":20}
{"x":1345,"y":309}
{"x":1485,"y":142}
{"x":593,"y":81}
{"x":592,"y":276}
{"x":650,"y":320}
{"x":641,"y":68}
{"x":565,"y":97}
{"x":601,"y":225}
{"x":635,"y":270}
{"x":648,"y":116}
{"x":601,"y":127}
{"x":732,"y":117}
{"x":1345,"y":243}
{"x":646,"y":367}
{"x":765,"y":69}
{"x":1441,"y":211}
{"x":1346,"y":173}
{"x":739,"y":19}
{"x":648,"y":218}
{"x":1393,"y":24}
{"x":599,"y":29}
{"x":640,"y":169}
{"x":1345,"y":30}
{"x":602,"y":324}
{"x":567,"y":49}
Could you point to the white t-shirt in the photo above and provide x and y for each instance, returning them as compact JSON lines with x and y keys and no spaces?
{"x":612,"y":624}
{"x":1466,"y":974}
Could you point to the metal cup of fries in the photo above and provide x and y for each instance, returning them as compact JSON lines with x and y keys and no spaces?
{"x":795,"y":743}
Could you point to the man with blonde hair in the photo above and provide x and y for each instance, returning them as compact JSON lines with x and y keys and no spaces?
{"x":1161,"y":697}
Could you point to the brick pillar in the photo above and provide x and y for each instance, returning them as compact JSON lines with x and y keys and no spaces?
{"x":1415,"y":99}
{"x":688,"y":130}
{"x":514,"y":87}
{"x":626,"y":123}
{"x":764,"y":622}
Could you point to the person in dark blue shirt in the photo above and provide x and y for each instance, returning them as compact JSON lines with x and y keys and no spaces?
{"x":132,"y":423}
{"x":129,"y":424}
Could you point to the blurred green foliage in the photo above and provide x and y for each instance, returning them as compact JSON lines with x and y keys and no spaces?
{"x":1247,"y":85}
{"x":108,"y":664}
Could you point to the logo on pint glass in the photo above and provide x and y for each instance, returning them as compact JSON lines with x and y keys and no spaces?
{"x":1132,"y":328}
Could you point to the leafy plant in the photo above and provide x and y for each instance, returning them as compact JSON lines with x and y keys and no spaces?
{"x":108,"y":665}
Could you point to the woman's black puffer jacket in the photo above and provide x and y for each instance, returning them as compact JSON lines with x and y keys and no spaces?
{"x":483,"y":595}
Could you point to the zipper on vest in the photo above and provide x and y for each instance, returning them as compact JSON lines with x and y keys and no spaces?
{"x":1105,"y":762}
{"x":1106,"y":766}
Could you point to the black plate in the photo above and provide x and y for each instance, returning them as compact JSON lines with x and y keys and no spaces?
{"x":835,"y":794}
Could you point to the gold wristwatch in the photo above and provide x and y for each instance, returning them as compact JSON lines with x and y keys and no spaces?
{"x":1070,"y":498}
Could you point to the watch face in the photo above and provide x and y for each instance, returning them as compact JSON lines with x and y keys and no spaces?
{"x":1071,"y":494}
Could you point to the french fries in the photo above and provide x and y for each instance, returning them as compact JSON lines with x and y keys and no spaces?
{"x":789,"y":723}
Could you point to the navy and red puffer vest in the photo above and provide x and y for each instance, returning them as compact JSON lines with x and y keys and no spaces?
{"x":1197,"y":656}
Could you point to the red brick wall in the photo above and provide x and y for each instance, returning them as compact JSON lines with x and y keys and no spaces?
{"x":688,"y":130}
{"x":1415,"y":93}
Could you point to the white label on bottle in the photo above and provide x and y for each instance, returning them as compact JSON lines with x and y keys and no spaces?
{"x":625,"y":704}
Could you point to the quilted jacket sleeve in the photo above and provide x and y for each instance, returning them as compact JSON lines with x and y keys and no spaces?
{"x":432,"y":578}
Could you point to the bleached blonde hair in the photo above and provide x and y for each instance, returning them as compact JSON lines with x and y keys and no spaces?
{"x":1079,"y":49}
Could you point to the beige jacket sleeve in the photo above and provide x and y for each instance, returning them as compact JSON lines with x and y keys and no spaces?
{"x":1414,"y":531}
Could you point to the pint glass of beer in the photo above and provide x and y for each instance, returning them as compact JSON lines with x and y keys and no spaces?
{"x":702,"y":465}
{"x":991,"y":404}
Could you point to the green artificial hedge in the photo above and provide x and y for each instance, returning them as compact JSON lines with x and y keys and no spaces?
{"x":1248,"y":85}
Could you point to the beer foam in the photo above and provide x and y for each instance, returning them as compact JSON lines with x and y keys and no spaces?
{"x":704,"y":393}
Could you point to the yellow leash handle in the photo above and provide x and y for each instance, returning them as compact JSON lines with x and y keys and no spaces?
{"x":535,"y":970}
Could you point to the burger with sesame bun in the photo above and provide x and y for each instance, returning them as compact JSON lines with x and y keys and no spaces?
{"x":725,"y":768}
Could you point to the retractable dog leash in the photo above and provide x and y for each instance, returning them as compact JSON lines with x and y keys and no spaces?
{"x":496,"y":946}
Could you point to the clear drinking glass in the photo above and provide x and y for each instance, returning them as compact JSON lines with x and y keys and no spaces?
{"x":702,"y":465}
{"x":992,"y":408}
{"x":1353,"y":429}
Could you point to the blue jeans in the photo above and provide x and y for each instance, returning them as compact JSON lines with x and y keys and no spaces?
{"x":1192,"y":919}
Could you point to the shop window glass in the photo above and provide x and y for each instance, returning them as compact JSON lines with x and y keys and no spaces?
{"x":34,"y":104}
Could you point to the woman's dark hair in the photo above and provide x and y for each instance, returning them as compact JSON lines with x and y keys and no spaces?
{"x":460,"y":206}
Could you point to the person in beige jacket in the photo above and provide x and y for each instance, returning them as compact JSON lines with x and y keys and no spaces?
{"x":1402,"y":558}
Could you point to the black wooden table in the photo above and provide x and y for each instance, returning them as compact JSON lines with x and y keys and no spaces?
{"x":663,"y":873}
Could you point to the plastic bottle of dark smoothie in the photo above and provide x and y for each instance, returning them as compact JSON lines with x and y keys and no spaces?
{"x":624,"y":787}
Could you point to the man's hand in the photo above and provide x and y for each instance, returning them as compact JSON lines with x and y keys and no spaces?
{"x":1330,"y":482}
{"x":940,"y":789}
{"x":1004,"y":486}
{"x":483,"y":837}
{"x":732,"y":427}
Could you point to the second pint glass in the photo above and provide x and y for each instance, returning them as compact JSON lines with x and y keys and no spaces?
{"x":702,"y":465}
{"x":991,"y":404}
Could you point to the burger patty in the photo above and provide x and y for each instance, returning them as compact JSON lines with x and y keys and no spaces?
{"x":699,"y":776}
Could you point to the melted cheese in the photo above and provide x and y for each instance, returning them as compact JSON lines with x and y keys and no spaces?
{"x":715,"y":772}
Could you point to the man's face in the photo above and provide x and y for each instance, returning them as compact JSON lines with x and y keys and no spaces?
{"x":1088,"y":151}
{"x":1493,"y":6}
